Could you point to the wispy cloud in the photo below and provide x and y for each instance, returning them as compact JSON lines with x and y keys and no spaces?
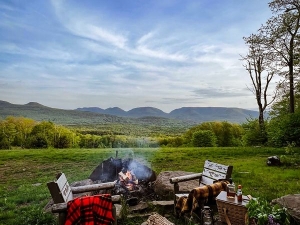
{"x":111,"y":53}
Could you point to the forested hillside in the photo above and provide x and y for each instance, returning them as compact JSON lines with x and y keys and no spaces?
{"x":196,"y":114}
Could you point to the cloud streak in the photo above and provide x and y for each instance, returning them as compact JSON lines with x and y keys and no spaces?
{"x":160,"y":54}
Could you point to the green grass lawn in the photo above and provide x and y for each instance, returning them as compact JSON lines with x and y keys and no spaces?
{"x":24,"y":173}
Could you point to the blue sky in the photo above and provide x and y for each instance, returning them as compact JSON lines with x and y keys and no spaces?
{"x":127,"y":53}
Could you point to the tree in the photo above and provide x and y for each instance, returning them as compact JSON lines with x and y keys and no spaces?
{"x":281,"y":33}
{"x":9,"y":130}
{"x":258,"y":62}
{"x":43,"y":132}
{"x":204,"y":138}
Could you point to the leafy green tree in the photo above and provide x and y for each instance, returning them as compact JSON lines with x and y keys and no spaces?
{"x":39,"y":141}
{"x":204,"y":138}
{"x":63,"y":137}
{"x":281,"y":33}
{"x":253,"y":134}
{"x":227,"y":134}
{"x":284,"y":130}
{"x":9,"y":131}
{"x":43,"y":134}
{"x":24,"y":127}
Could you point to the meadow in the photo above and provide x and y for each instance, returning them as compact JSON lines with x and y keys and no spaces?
{"x":24,"y":173}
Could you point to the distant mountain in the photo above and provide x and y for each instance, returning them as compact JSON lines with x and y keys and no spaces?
{"x":146,"y":111}
{"x":199,"y":114}
{"x":115,"y":111}
{"x":95,"y":115}
{"x":92,"y":118}
{"x":91,"y":109}
{"x":195,"y":114}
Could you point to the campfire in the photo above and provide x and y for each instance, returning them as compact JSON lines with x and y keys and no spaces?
{"x":128,"y":180}
{"x":133,"y":179}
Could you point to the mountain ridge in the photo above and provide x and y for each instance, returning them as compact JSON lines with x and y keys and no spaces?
{"x":116,"y":114}
{"x":196,"y":114}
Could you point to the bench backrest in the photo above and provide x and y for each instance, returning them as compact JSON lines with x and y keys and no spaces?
{"x":214,"y":171}
{"x":60,"y":189}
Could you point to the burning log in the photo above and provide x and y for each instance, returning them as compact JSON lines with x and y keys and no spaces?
{"x":128,"y":179}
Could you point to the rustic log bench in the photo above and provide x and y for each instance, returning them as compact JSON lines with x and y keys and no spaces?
{"x":62,"y":192}
{"x":212,"y":172}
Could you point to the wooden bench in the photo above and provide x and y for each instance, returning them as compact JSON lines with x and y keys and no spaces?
{"x":62,"y":192}
{"x":212,"y":172}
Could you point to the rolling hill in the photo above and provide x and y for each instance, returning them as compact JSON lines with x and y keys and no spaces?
{"x":95,"y":115}
{"x":92,"y":119}
{"x":195,"y":114}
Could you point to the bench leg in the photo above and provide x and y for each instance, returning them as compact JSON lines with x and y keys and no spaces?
{"x":62,"y":218}
{"x":114,"y":212}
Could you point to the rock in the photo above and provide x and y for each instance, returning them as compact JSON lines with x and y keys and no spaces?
{"x":163,"y":206}
{"x":292,"y":203}
{"x":139,"y":207}
{"x":273,"y":161}
{"x":118,"y":210}
{"x":163,"y":187}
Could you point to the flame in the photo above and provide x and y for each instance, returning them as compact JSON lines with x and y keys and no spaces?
{"x":129,"y":175}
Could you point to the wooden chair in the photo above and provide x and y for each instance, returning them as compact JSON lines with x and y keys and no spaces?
{"x":62,"y":192}
{"x":212,"y":172}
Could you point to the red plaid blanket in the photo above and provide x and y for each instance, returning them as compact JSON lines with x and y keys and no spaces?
{"x":90,"y":210}
{"x":198,"y":196}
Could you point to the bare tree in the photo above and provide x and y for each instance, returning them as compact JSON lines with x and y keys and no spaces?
{"x":258,"y":64}
{"x":281,"y":35}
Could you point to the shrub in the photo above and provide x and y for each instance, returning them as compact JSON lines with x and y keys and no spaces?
{"x":284,"y":129}
{"x":265,"y":214}
{"x":39,"y":141}
{"x":253,"y":135}
{"x":204,"y":138}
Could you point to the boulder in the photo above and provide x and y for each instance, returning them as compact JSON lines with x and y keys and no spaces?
{"x":292,"y":203}
{"x":273,"y":161}
{"x":163,"y":187}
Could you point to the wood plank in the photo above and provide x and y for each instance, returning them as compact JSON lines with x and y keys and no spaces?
{"x":215,"y":175}
{"x":61,"y":181}
{"x":185,"y":178}
{"x":55,"y":192}
{"x":216,"y":166}
{"x":206,"y":181}
{"x":93,"y":187}
{"x":64,"y":188}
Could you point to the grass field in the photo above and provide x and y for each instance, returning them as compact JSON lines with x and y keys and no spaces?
{"x":24,"y":173}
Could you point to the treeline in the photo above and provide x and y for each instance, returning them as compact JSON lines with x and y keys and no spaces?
{"x":27,"y":133}
{"x":282,"y":130}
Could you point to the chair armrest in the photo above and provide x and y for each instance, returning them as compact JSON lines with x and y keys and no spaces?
{"x":93,"y":187}
{"x":62,"y":207}
{"x":179,"y":179}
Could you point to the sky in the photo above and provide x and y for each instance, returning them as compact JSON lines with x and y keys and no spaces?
{"x":166,"y":54}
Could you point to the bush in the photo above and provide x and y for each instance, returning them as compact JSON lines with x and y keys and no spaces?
{"x":227,"y":134}
{"x":4,"y":143}
{"x":204,"y":138}
{"x":284,"y":129}
{"x":38,"y":141}
{"x":253,"y":135}
{"x":264,"y":213}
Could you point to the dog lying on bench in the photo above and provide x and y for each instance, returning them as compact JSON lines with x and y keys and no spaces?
{"x":199,"y":196}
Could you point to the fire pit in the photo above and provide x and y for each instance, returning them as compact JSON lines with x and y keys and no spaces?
{"x":133,"y":179}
